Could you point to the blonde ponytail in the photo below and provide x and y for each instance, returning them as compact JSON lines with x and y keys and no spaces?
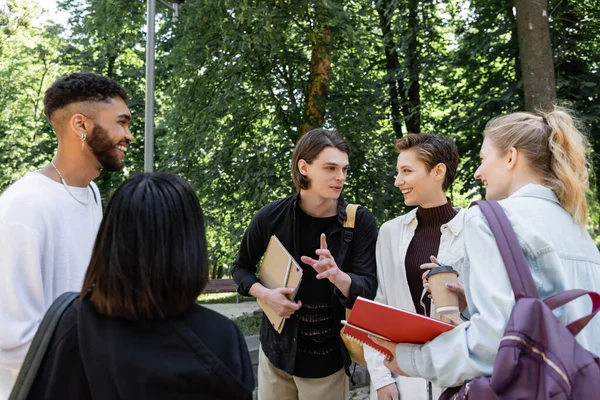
{"x":569,"y":166}
{"x":556,"y":150}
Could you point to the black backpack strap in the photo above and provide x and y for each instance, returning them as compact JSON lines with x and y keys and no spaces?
{"x":348,"y":233}
{"x":39,"y":345}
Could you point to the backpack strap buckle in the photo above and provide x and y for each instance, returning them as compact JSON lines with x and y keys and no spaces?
{"x":348,"y":235}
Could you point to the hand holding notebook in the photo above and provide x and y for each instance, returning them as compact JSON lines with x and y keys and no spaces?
{"x":281,"y":273}
{"x":393,"y":324}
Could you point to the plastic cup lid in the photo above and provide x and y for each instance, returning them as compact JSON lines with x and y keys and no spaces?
{"x":441,"y":269}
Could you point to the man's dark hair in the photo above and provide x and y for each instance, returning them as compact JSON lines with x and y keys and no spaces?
{"x":80,"y":86}
{"x":308,"y":149}
{"x":149,"y":259}
{"x":432,"y":150}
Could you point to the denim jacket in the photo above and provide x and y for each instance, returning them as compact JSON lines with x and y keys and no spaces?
{"x":561,"y":256}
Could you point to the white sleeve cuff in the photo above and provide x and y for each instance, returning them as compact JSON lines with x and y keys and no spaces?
{"x":383,"y":382}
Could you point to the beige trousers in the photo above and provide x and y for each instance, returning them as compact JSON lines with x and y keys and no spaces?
{"x":275,"y":384}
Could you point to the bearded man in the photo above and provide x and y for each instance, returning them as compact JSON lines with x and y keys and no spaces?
{"x":50,"y":217}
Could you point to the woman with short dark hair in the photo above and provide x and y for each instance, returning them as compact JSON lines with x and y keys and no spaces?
{"x":135,"y":331}
{"x":426,"y":167}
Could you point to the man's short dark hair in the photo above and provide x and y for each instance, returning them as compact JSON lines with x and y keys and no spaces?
{"x":308,"y":149}
{"x":149,"y":259}
{"x":80,"y":86}
{"x":433,"y":150}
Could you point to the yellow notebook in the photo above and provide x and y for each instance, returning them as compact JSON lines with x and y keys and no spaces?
{"x":278,"y":269}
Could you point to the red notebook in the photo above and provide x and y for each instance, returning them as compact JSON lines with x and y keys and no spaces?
{"x":397,"y":325}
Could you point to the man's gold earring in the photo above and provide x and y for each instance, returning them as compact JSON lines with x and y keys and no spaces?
{"x":83,"y":136}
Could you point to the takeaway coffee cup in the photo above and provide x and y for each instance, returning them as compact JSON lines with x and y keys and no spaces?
{"x":446,"y":301}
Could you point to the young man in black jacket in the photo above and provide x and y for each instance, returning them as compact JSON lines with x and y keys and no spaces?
{"x":308,"y":359}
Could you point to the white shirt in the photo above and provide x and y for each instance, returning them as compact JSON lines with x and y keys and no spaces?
{"x":46,"y":240}
{"x":392,"y":243}
{"x":561,"y":256}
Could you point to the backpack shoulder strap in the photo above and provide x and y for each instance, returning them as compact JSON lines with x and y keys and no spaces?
{"x":514,"y":260}
{"x":348,"y":233}
{"x":350,"y":215}
{"x":39,"y":345}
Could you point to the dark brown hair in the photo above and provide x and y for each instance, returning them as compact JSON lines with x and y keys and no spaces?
{"x":433,"y":150}
{"x":308,"y":149}
{"x":149,"y":260}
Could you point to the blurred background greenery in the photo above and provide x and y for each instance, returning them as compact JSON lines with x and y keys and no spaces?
{"x":239,"y":81}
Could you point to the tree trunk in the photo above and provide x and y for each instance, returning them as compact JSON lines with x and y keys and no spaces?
{"x":413,"y":121}
{"x":535,"y":53}
{"x":320,"y":74}
{"x":513,"y":45}
{"x":392,"y":64}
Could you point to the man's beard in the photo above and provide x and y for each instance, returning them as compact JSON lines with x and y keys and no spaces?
{"x":103,"y":149}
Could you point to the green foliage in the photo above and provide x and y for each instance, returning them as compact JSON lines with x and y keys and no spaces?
{"x":249,"y":324}
{"x":479,"y":80}
{"x":28,"y":65}
{"x":237,"y":88}
{"x":575,"y":28}
{"x":231,"y":80}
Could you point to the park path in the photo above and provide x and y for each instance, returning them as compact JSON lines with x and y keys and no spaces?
{"x":234,"y":310}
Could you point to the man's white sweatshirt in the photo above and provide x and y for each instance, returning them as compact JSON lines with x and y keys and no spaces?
{"x":46,"y":240}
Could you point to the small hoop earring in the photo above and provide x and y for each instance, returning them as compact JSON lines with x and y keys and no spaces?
{"x":83,"y":136}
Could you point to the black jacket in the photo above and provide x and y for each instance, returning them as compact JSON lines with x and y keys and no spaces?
{"x":278,"y":218}
{"x":199,"y":354}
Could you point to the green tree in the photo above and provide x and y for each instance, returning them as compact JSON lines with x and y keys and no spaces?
{"x":237,"y":85}
{"x":29,"y":51}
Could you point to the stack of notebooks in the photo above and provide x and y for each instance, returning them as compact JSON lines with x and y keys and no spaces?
{"x":389,"y":323}
{"x":278,"y":269}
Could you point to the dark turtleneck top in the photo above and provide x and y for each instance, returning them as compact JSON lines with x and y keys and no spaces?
{"x":424,"y":244}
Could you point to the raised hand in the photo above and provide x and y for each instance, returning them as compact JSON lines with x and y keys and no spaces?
{"x":325,"y":265}
{"x":327,"y":268}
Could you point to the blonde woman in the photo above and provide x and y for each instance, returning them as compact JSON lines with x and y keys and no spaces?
{"x":536,"y":166}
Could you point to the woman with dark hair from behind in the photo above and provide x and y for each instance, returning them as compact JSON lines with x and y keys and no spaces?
{"x":136,"y":332}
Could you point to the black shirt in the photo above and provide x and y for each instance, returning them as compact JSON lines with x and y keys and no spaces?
{"x":318,"y":352}
{"x":198,"y":354}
